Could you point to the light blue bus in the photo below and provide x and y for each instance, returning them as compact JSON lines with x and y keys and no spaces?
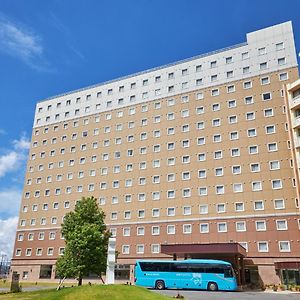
{"x":204,"y":274}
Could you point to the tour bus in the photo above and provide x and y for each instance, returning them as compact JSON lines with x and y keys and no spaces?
{"x":204,"y":274}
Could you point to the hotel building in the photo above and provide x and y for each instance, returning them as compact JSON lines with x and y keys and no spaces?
{"x":203,"y":151}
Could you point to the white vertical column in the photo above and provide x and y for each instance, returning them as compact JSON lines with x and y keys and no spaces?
{"x":111,"y":259}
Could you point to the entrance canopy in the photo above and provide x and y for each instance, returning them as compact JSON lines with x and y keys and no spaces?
{"x":204,"y":250}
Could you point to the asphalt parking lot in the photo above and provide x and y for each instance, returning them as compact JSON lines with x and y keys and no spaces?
{"x":204,"y":295}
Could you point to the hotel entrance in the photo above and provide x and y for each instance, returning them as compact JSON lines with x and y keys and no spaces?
{"x":230,"y":252}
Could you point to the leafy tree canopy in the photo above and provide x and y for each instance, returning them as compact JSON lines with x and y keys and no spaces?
{"x":86,"y":241}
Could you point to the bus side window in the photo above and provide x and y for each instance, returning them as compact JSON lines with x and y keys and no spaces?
{"x":217,"y":269}
{"x":197,"y":268}
{"x":181,"y":268}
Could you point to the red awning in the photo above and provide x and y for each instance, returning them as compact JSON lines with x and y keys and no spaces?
{"x":287,"y":265}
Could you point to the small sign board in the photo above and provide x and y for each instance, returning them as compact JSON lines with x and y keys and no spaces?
{"x":15,"y":282}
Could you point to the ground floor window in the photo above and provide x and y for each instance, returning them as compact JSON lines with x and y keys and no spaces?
{"x":45,"y":271}
{"x":25,"y":275}
{"x":122,"y":272}
{"x":290,"y":276}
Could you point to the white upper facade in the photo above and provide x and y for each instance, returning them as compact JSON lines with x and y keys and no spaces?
{"x":266,"y":50}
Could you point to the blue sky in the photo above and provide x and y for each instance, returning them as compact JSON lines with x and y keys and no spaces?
{"x":50,"y":47}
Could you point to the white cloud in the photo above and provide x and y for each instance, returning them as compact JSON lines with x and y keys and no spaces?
{"x":12,"y":159}
{"x":9,"y":162}
{"x":10,"y":199}
{"x":22,"y":144}
{"x":7,"y":235}
{"x":18,"y":41}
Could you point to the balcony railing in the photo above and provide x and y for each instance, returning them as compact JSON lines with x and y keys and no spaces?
{"x":297,"y":142}
{"x":295,"y":102}
{"x":296,"y":122}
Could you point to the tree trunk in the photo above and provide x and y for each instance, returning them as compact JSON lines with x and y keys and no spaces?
{"x":79,"y":281}
{"x":102,"y":279}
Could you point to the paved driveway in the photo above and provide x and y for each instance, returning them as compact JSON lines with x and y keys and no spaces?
{"x":204,"y":295}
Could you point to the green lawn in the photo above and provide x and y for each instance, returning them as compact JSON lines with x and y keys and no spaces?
{"x":101,"y":292}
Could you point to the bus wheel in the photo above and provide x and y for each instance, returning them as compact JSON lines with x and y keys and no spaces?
{"x":160,"y":285}
{"x":212,"y":286}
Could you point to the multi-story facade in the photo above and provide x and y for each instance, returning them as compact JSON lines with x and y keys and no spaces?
{"x":199,"y":151}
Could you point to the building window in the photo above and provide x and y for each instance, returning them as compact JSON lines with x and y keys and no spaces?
{"x":279,"y":46}
{"x":171,"y":229}
{"x":213,"y":64}
{"x":253,"y":149}
{"x":231,"y":103}
{"x":274,"y":165}
{"x":250,"y":116}
{"x":236,"y":169}
{"x":237,"y":187}
{"x":232,"y":119}
{"x":155,"y":214}
{"x":204,"y":227}
{"x":219,"y":171}
{"x":265,"y":80}
{"x":187,"y":228}
{"x":281,"y":225}
{"x":125,"y":249}
{"x":203,"y":209}
{"x":255,"y":167}
{"x":239,"y":206}
{"x":251,"y":132}
{"x":262,"y":247}
{"x":216,"y":122}
{"x":202,"y":173}
{"x":155,"y":230}
{"x":220,"y":190}
{"x":283,"y":76}
{"x":199,"y":96}
{"x":221,"y":208}
{"x":268,"y":112}
{"x":235,"y":152}
{"x":171,"y":211}
{"x":240,"y":226}
{"x":263,"y":66}
{"x":140,"y":231}
{"x":270,"y":129}
{"x":246,"y":70}
{"x":258,"y":205}
{"x":284,"y":246}
{"x":155,"y":248}
{"x":260,"y":226}
{"x":222,"y":227}
{"x":276,"y":184}
{"x":247,"y":85}
{"x":272,"y":147}
{"x":187,"y":210}
{"x":266,"y":96}
{"x":256,"y":186}
{"x":202,"y":191}
{"x":215,"y":92}
{"x":218,"y":154}
{"x":281,"y":61}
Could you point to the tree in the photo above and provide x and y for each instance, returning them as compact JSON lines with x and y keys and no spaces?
{"x":86,"y":241}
